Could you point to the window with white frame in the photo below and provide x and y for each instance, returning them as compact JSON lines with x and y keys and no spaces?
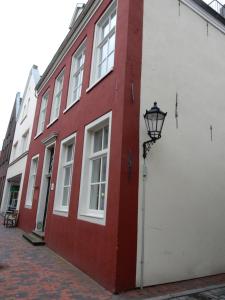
{"x":41,"y":121}
{"x":94,"y":182}
{"x":31,"y":182}
{"x":64,"y":177}
{"x":57,"y":97}
{"x":104,"y":45}
{"x":24,"y":142}
{"x":14,"y":151}
{"x":76,"y":76}
{"x":25,"y":109}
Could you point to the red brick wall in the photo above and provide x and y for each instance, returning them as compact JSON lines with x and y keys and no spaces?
{"x":107,"y":253}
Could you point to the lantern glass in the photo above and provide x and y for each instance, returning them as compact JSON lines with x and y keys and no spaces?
{"x":154,"y":119}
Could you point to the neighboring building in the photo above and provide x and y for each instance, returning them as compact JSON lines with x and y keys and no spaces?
{"x":85,"y":161}
{"x":15,"y":174}
{"x":7,"y":143}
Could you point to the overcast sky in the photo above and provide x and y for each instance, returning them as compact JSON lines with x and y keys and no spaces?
{"x":31,"y":32}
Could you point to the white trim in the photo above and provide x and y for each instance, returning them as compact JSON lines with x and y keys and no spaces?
{"x":58,"y":208}
{"x":36,"y":136}
{"x":70,"y":106}
{"x":84,"y":213}
{"x":52,"y":122}
{"x":41,"y":191}
{"x":99,"y":80}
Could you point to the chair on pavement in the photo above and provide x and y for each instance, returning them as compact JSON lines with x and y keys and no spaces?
{"x":10,"y":218}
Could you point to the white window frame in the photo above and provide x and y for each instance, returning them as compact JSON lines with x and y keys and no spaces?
{"x":99,"y":42}
{"x":55,"y":110}
{"x":31,"y":182}
{"x":42,"y":113}
{"x":14,"y":151}
{"x":59,"y":208}
{"x":24,"y":142}
{"x":76,"y":72}
{"x":84,"y":211}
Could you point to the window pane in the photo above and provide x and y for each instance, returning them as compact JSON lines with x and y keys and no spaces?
{"x":102,"y":197}
{"x":96,"y":168}
{"x":111,"y":61}
{"x":106,"y":137}
{"x":102,"y":69}
{"x":65,"y":196}
{"x":69,"y":154}
{"x":111,"y":43}
{"x":105,"y":29}
{"x":98,"y":140}
{"x":104,"y":164}
{"x":94,"y":196}
{"x":113,"y":20}
{"x":104,"y":52}
{"x":67,"y":176}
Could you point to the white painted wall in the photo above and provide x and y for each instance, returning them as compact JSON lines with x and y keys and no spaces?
{"x":185,"y":188}
{"x":24,"y":124}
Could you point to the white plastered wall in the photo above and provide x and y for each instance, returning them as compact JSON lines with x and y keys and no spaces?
{"x":24,"y":124}
{"x":185,"y":187}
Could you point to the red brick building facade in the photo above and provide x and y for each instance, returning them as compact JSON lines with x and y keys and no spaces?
{"x":101,"y":240}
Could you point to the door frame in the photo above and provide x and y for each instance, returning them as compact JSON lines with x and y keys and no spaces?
{"x":43,"y":188}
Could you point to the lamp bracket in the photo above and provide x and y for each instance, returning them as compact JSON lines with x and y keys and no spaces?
{"x":147,"y":146}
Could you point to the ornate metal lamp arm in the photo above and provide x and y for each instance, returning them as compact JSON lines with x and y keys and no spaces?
{"x":147,"y":146}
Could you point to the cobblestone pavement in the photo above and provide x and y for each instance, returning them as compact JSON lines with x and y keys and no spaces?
{"x":214,"y":294}
{"x":33,"y":273}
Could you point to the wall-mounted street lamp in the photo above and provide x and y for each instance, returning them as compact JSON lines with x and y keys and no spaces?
{"x":154,"y":119}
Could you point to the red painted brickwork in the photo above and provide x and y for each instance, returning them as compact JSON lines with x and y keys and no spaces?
{"x":106,"y":253}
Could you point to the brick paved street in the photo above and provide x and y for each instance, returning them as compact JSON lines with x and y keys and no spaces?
{"x":28,"y":272}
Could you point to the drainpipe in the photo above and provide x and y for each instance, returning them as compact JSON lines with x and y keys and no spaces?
{"x":144,"y":176}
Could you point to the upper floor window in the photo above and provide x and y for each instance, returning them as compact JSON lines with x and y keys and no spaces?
{"x":64,"y":177}
{"x":104,"y":45}
{"x":14,"y":151}
{"x":24,"y":142}
{"x":76,"y":76}
{"x":57,"y":97}
{"x":25,"y":110}
{"x":41,"y":121}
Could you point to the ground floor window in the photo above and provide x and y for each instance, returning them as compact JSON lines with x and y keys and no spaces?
{"x":64,"y":177}
{"x":94,"y":180}
{"x":31,"y":182}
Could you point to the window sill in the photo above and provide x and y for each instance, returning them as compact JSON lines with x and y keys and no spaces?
{"x":37,"y":135}
{"x":28,"y":206}
{"x":62,"y":213}
{"x":92,"y":218}
{"x":71,"y":105}
{"x":51,"y":123}
{"x":23,"y":119}
{"x":98,"y":81}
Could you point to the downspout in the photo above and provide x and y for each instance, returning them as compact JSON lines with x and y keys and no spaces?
{"x":144,"y":176}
